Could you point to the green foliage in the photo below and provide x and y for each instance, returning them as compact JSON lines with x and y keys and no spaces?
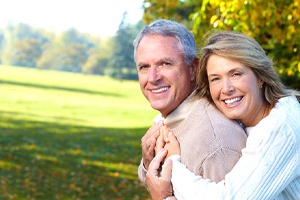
{"x":26,"y":51}
{"x":66,"y":52}
{"x":22,"y":46}
{"x":122,"y":60}
{"x":71,"y":51}
{"x":70,"y":136}
{"x":274,"y":24}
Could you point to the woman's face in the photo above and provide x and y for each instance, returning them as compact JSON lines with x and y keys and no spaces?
{"x":235,"y":90}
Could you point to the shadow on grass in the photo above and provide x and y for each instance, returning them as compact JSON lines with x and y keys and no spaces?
{"x":57,"y":88}
{"x":40,"y":160}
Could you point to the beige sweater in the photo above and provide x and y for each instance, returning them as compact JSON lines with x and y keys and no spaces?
{"x":210,"y":143}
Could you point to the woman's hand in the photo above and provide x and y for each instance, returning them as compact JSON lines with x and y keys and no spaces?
{"x":172,"y":145}
{"x":168,"y":141}
{"x":160,"y":141}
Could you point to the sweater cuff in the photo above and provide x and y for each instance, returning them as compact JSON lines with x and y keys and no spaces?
{"x":142,"y":172}
{"x":170,"y":198}
{"x":142,"y":164}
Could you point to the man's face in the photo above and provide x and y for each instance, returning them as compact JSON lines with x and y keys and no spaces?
{"x":165,"y":79}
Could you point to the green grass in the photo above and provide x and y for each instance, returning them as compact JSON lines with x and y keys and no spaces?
{"x":70,"y":136}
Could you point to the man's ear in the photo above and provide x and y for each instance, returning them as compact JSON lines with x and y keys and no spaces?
{"x":194,"y":65}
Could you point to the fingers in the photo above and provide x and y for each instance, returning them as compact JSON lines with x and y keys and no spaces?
{"x":160,"y":143}
{"x":173,"y":146}
{"x":173,"y":140}
{"x":159,"y":187}
{"x":148,"y":144}
{"x":155,"y":163}
{"x":167,"y":171}
{"x":151,"y":135}
{"x":163,"y":138}
{"x":164,"y":131}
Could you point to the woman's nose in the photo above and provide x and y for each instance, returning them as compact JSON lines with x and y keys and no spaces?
{"x":227,"y":87}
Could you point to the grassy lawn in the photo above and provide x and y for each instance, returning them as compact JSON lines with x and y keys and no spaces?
{"x":70,"y":136}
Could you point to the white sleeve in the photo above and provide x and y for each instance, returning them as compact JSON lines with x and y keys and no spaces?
{"x":268,"y":164}
{"x":187,"y":185}
{"x":142,"y":172}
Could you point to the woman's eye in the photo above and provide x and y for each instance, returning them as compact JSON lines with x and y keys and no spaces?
{"x":237,"y":74}
{"x":214,"y":79}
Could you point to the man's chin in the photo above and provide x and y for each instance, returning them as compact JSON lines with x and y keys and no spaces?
{"x":158,"y":107}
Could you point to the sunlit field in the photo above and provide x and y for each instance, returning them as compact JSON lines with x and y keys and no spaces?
{"x":70,"y":136}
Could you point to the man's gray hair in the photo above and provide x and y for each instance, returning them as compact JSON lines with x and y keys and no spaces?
{"x":168,"y":28}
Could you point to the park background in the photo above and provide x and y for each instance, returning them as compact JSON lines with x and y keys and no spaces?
{"x":71,"y":111}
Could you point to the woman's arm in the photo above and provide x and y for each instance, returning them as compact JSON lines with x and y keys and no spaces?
{"x":264,"y":170}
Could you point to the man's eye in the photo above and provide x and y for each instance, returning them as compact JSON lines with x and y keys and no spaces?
{"x":165,"y":66}
{"x":143,"y":68}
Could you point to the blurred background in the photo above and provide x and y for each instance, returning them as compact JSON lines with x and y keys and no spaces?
{"x":71,"y":111}
{"x":96,"y":37}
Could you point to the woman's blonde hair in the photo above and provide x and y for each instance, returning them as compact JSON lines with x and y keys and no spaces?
{"x":243,"y":49}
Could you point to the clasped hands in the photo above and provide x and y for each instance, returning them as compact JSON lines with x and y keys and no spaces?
{"x":157,"y":145}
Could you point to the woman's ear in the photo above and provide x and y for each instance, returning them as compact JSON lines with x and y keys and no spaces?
{"x":260,"y":83}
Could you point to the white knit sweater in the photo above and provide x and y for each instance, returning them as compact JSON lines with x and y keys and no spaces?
{"x":268,"y":169}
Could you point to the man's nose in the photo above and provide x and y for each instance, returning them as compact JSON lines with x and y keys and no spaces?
{"x":154,"y":75}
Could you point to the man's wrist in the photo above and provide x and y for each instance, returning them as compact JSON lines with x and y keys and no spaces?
{"x":170,"y":198}
{"x":143,"y":165}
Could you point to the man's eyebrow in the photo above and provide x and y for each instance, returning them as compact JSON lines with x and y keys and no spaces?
{"x":142,"y":64}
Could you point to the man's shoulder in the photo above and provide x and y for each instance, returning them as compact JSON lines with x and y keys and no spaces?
{"x":207,"y":113}
{"x":203,"y":105}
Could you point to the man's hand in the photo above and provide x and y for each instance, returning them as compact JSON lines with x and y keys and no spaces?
{"x":149,"y":143}
{"x":159,"y":187}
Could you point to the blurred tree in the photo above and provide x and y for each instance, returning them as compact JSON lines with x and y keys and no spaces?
{"x":71,"y":51}
{"x":2,"y":40}
{"x":122,"y":62}
{"x":66,"y":52}
{"x":178,"y":10}
{"x":25,"y":52}
{"x":22,"y":45}
{"x":50,"y":59}
{"x":99,"y":57}
{"x":74,"y":51}
{"x":275,"y":24}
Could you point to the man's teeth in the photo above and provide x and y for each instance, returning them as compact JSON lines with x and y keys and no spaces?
{"x":160,"y":89}
{"x":229,"y":101}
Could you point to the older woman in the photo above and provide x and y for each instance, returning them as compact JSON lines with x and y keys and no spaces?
{"x":239,"y":78}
